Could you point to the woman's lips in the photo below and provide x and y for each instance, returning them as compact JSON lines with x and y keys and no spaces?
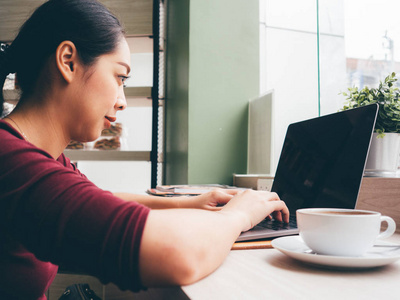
{"x":108,"y":121}
{"x":111,"y":119}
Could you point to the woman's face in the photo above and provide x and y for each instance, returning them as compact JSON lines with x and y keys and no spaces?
{"x":101,"y":94}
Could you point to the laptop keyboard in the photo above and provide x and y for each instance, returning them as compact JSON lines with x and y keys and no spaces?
{"x":277,"y":225}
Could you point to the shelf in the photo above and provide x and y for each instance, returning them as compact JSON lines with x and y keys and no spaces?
{"x":107,"y":155}
{"x":138,"y":96}
{"x":139,"y":102}
{"x":135,"y":15}
{"x":138,"y":92}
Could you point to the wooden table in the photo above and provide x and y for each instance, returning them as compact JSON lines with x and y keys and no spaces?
{"x":269,"y":274}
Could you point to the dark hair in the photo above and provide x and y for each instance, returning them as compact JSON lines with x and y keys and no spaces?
{"x":87,"y":23}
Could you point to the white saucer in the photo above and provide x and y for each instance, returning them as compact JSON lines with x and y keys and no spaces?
{"x":381,"y":254}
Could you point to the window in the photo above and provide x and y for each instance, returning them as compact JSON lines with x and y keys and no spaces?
{"x":312,"y":50}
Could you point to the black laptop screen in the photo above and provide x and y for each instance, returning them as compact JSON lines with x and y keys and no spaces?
{"x":323,"y":159}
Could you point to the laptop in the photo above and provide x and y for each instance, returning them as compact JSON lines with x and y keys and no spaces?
{"x":321,"y":166}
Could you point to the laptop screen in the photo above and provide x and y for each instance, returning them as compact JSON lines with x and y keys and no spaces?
{"x":323,"y":159}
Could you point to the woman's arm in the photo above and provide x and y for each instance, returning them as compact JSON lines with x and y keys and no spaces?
{"x":210,"y":201}
{"x":182,"y":246}
{"x":154,"y":202}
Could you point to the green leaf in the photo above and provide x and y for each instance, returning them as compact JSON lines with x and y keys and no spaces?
{"x":387,"y":95}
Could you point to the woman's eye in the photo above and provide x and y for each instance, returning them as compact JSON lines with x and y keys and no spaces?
{"x":123,"y":79}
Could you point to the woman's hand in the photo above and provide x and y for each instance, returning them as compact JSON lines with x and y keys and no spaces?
{"x":254,"y":206}
{"x":213,"y":200}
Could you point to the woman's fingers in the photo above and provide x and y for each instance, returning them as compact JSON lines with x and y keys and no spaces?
{"x":256,"y":206}
{"x":281,"y":212}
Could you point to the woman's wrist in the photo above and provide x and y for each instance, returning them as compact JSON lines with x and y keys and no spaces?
{"x":183,"y":202}
{"x":239,"y":218}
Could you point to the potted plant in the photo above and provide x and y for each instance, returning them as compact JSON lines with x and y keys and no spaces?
{"x":385,"y":145}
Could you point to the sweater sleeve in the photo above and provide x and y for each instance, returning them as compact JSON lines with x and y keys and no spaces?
{"x":60,"y":216}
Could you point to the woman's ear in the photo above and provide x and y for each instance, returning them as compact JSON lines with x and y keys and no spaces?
{"x":67,"y":60}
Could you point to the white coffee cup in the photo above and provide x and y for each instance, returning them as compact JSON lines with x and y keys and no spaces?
{"x":342,"y":232}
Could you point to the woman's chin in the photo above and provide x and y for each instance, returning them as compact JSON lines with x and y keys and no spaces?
{"x":91,"y":138}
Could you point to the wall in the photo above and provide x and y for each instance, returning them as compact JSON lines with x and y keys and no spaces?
{"x":212,"y":72}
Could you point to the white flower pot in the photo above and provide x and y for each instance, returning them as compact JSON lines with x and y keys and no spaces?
{"x":384,"y":153}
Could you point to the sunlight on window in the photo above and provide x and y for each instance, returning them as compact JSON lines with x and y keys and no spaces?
{"x":312,"y":50}
{"x":372,"y":39}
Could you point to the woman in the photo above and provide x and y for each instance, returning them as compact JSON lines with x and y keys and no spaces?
{"x":71,"y":60}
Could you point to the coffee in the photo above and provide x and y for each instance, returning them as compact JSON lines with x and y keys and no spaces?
{"x":345,"y":213}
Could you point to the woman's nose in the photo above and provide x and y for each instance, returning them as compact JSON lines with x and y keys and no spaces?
{"x":121,"y":102}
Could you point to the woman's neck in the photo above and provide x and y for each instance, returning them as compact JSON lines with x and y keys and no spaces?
{"x":37,"y":126}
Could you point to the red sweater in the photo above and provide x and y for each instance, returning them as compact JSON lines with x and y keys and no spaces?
{"x":51,"y":214}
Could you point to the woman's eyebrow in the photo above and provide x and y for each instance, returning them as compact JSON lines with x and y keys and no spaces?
{"x":128,"y":69}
